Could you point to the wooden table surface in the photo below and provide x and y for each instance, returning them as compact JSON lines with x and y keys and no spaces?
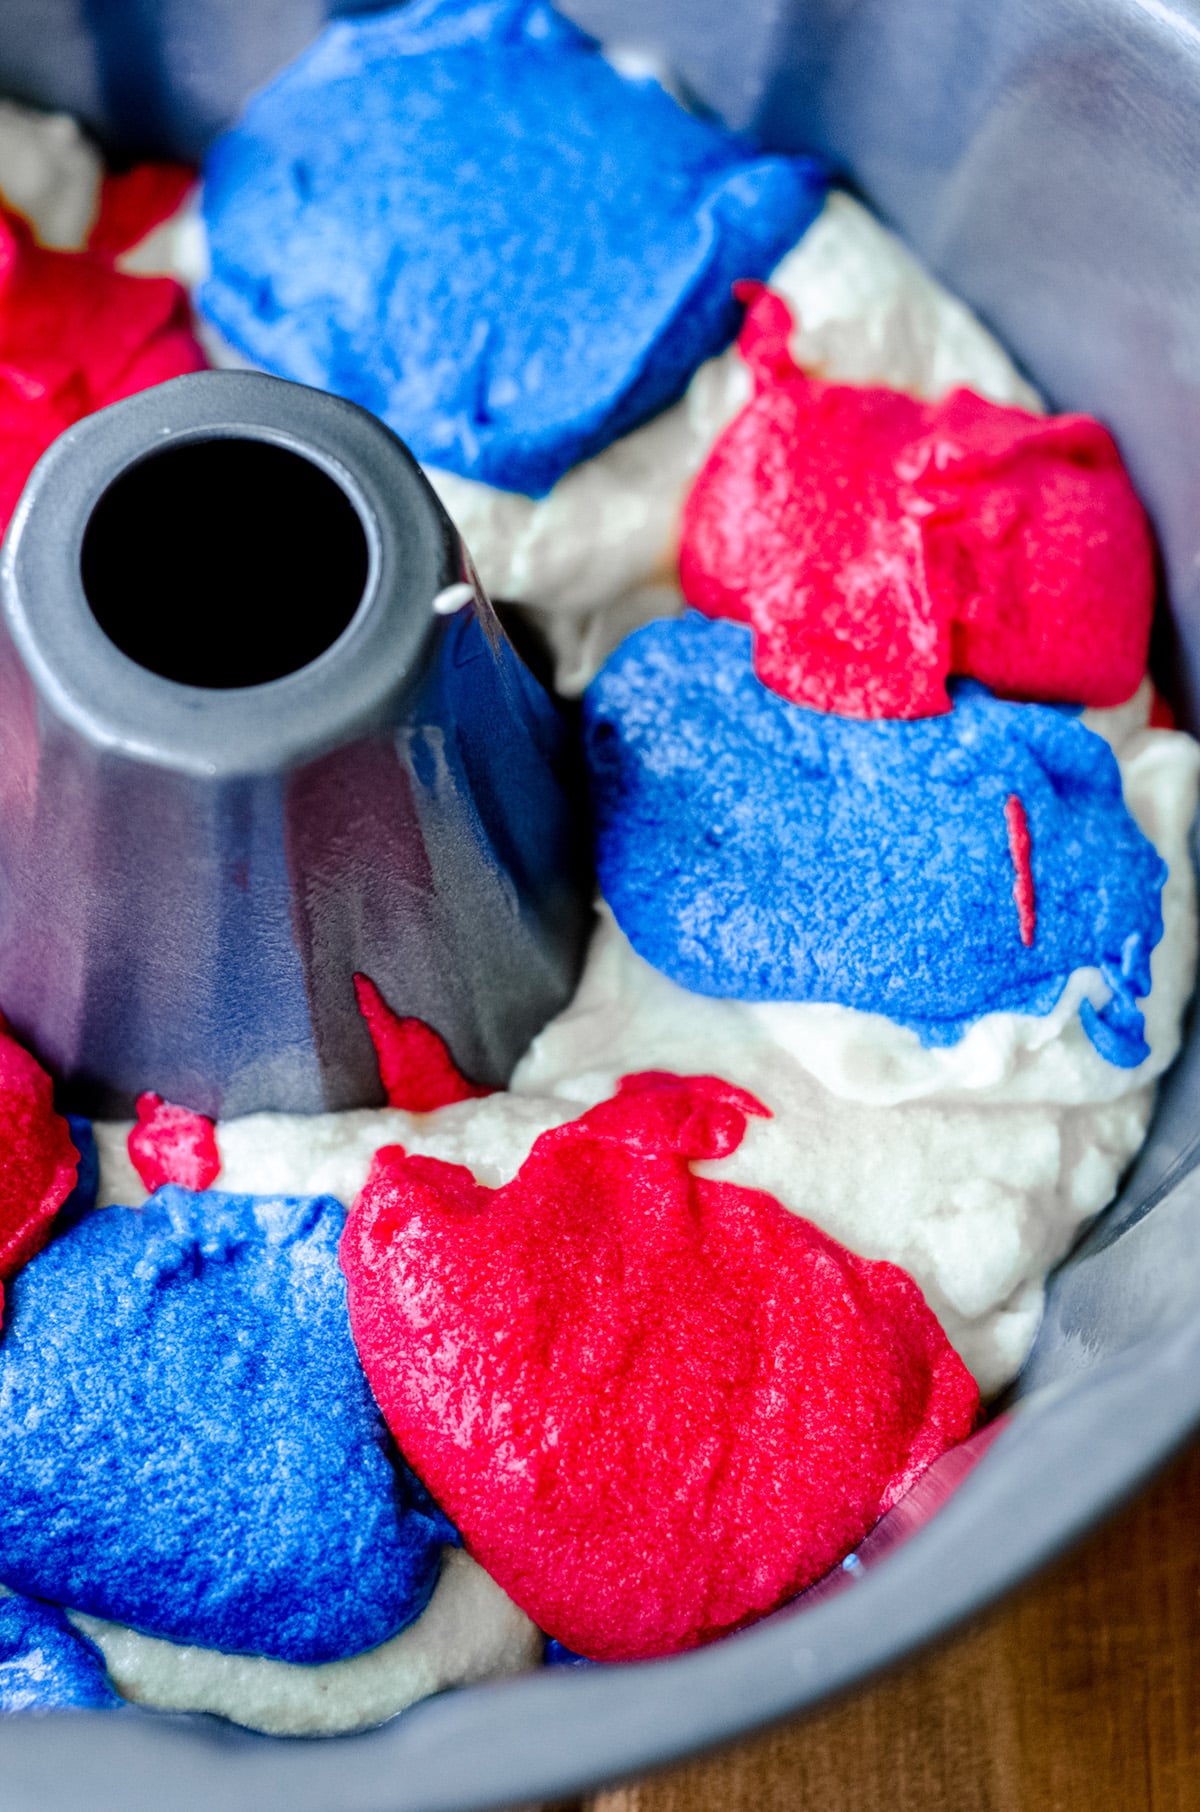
{"x":1079,"y":1694}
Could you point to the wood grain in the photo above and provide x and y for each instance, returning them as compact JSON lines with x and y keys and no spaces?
{"x":1079,"y":1694}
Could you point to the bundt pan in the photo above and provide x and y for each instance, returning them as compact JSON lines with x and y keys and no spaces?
{"x":1045,"y":161}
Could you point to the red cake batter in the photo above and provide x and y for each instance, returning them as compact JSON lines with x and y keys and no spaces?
{"x":74,"y":335}
{"x":415,"y":1066}
{"x":878,"y":544}
{"x":171,"y":1144}
{"x":38,"y":1172}
{"x":134,"y":202}
{"x":656,"y":1406}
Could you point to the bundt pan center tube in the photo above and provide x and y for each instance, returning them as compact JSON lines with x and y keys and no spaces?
{"x":260,"y":730}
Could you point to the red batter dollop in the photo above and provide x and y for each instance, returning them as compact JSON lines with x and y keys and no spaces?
{"x":173,"y":1144}
{"x":656,"y":1406}
{"x":134,"y":202}
{"x":75,"y":335}
{"x":39,"y":1162}
{"x":878,"y":544}
{"x":415,"y":1066}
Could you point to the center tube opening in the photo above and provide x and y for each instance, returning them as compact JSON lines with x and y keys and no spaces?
{"x":224,"y":563}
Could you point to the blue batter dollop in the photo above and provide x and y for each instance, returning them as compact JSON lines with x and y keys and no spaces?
{"x":460,"y":216}
{"x":754,"y":849}
{"x":187,"y":1441}
{"x":46,"y":1665}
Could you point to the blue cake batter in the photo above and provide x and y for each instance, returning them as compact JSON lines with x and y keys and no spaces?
{"x":458,"y":215}
{"x":82,"y":1198}
{"x":754,"y":849}
{"x":47,"y":1665}
{"x":187,"y":1441}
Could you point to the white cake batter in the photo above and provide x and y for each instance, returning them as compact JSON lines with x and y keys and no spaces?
{"x":469,"y":1631}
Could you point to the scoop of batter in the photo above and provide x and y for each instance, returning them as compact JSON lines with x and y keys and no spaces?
{"x":187,"y":1441}
{"x":657,"y":1405}
{"x":932,"y":870}
{"x":459,"y":215}
{"x":877,"y":543}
